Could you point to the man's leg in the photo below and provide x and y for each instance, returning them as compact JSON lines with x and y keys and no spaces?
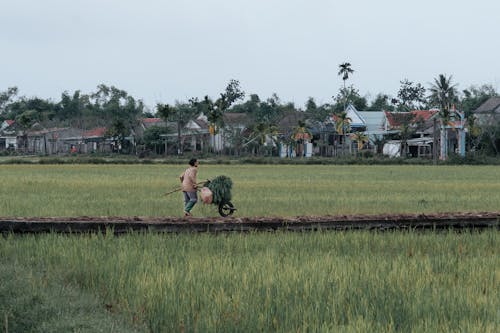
{"x":193,"y":198}
{"x":186,"y":201}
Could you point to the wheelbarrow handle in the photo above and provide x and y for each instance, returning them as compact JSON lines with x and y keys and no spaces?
{"x":180,"y":188}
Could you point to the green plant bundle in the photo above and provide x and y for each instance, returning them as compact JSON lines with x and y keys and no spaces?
{"x":221,"y":189}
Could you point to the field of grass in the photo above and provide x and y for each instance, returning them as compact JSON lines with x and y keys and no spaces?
{"x":268,"y":282}
{"x":258,"y":190}
{"x":273,"y":282}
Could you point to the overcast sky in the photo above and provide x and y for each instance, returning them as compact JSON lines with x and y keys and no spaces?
{"x":168,"y":50}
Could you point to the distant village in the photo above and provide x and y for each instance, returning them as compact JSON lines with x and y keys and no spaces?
{"x":416,"y":133}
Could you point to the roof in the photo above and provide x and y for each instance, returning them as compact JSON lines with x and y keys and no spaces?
{"x":6,"y":124}
{"x":491,"y":105}
{"x":396,"y":119}
{"x":291,"y":119}
{"x":356,"y":118}
{"x":44,"y":131}
{"x":149,"y":122}
{"x":95,"y":133}
{"x":235,"y":118}
{"x":374,"y":120}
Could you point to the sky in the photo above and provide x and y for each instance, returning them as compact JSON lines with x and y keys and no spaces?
{"x":163,"y":51}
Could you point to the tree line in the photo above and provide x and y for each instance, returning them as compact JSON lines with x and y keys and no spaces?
{"x":116,"y":110}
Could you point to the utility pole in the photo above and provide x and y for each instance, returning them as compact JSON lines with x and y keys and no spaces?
{"x":434,"y":142}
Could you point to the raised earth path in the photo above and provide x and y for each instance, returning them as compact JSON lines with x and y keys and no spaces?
{"x":121,"y":224}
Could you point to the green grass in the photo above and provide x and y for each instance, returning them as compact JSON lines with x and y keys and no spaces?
{"x":280,"y":282}
{"x":283,"y":282}
{"x":37,"y":300}
{"x":258,"y":190}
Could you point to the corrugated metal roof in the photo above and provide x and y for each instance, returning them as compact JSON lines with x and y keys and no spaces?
{"x":374,"y":120}
{"x":492,"y":104}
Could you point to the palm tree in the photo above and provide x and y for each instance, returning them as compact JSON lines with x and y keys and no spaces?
{"x":344,"y":71}
{"x":261,"y":131}
{"x":361,"y":138}
{"x":300,"y":134}
{"x":342,"y":124}
{"x":443,"y":93}
{"x":182,"y":113}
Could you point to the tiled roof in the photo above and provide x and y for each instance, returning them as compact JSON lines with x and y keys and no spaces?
{"x":95,"y":133}
{"x":396,"y":119}
{"x":151,"y":120}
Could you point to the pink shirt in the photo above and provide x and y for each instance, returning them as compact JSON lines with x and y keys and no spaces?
{"x":189,"y":182}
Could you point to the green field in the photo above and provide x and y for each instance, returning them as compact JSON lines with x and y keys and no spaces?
{"x":257,"y":282}
{"x":269,"y":282}
{"x":259,"y":190}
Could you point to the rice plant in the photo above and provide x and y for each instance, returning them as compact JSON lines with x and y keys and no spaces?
{"x":258,"y":190}
{"x":281,"y":282}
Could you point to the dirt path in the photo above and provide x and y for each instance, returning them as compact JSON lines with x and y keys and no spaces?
{"x":123,"y":224}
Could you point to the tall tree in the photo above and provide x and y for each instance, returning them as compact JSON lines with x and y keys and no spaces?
{"x":381,"y":103}
{"x":181,"y":113}
{"x":6,"y":97}
{"x":443,"y":94}
{"x":352,"y":95}
{"x":472,"y":98}
{"x":344,"y":71}
{"x":410,"y":96}
{"x":214,"y":110}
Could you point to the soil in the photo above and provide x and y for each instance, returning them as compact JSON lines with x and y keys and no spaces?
{"x":122,"y":224}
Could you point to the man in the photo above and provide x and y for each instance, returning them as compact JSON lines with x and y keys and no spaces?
{"x":189,"y":186}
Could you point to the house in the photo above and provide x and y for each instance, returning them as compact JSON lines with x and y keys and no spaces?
{"x":357,"y":122}
{"x":196,"y":135}
{"x":49,"y":141}
{"x":489,"y":111}
{"x":373,"y":124}
{"x":416,"y":119}
{"x":146,"y":123}
{"x":427,"y":131}
{"x":376,"y":125}
{"x":421,"y":122}
{"x":8,"y":135}
{"x":295,"y":140}
{"x":236,"y":130}
{"x":95,"y":140}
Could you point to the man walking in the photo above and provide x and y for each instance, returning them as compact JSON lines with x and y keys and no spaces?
{"x":189,"y":186}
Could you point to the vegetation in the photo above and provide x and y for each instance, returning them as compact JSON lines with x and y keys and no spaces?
{"x":37,"y":300}
{"x":258,"y":190}
{"x":282,"y":282}
{"x":279,"y":282}
{"x":119,"y":112}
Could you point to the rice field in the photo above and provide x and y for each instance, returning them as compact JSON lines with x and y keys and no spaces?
{"x":267,"y":282}
{"x":279,"y":282}
{"x":258,"y":190}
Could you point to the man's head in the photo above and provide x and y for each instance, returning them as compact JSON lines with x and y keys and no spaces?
{"x":193,"y":162}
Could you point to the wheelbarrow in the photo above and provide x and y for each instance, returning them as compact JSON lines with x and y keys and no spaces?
{"x":212,"y":193}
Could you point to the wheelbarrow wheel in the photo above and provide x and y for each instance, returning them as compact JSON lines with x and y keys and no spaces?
{"x":226,"y":209}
